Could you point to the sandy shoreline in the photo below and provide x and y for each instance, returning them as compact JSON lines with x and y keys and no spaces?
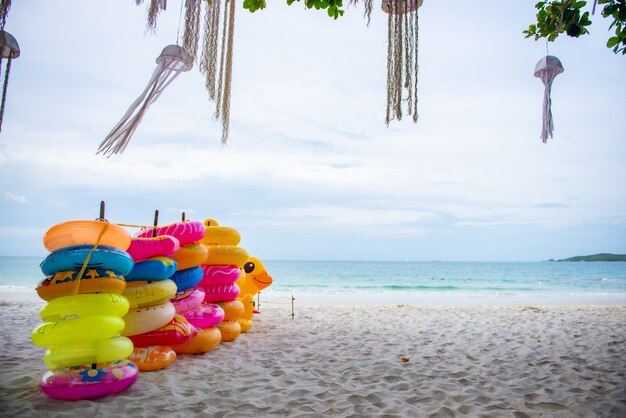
{"x":340,"y":361}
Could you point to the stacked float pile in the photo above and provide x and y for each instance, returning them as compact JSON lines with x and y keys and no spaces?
{"x":151,"y":321}
{"x":221,"y":270}
{"x":187,"y":299}
{"x":254,"y":278}
{"x":83,"y":317}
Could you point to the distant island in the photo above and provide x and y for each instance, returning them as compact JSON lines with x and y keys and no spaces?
{"x":597,"y":257}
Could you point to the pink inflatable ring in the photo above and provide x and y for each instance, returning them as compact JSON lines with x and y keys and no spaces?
{"x":88,"y":382}
{"x":187,"y":232}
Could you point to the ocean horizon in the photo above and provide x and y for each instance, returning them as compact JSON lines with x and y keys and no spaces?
{"x":417,"y":282}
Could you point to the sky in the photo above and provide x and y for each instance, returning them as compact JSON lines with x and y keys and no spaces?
{"x":311,"y":172}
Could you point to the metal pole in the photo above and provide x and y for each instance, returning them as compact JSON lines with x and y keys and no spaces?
{"x":292,"y":300}
{"x":101,"y":218}
{"x":258,"y":301}
{"x":156,"y":222}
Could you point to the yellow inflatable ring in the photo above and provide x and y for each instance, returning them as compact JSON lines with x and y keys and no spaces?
{"x":78,"y":306}
{"x":67,"y":234}
{"x":141,"y":294}
{"x":245,"y":320}
{"x":226,"y":255}
{"x":88,"y":352}
{"x":140,"y":320}
{"x":233,"y":309}
{"x":92,"y":281}
{"x":191,"y":255}
{"x":219,"y":235}
{"x":206,"y":340}
{"x":229,"y":330}
{"x":95,"y":327}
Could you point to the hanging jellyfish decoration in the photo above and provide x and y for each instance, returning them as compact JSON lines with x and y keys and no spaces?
{"x":546,"y":70}
{"x":215,"y":57}
{"x":9,"y":50}
{"x":172,"y":61}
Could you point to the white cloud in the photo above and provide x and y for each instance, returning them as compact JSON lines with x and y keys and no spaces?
{"x":17,"y":198}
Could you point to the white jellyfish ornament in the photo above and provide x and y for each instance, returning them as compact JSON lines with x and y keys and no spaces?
{"x":172,"y":61}
{"x":546,"y":70}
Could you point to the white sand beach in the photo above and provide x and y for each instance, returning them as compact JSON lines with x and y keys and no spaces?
{"x":521,"y":361}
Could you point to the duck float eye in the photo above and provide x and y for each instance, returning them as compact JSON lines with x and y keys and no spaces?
{"x":249,"y":267}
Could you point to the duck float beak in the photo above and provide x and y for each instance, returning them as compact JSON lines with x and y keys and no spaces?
{"x":262,"y":280}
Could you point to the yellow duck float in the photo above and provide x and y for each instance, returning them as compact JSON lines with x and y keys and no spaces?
{"x":253,"y":279}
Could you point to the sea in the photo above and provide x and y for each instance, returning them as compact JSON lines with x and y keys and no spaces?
{"x":391,"y":282}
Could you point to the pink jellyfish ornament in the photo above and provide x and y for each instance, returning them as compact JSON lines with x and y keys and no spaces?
{"x":172,"y":61}
{"x":9,"y":50}
{"x":546,"y":70}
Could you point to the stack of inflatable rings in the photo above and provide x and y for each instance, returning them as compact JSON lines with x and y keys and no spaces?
{"x":83,"y":318}
{"x":221,"y":270}
{"x":152,"y":323}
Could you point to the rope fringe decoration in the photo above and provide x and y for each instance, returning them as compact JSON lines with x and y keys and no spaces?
{"x":402,"y":57}
{"x":9,"y":49}
{"x":216,"y":59}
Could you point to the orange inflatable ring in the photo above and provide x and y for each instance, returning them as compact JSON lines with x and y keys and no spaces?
{"x":206,"y":340}
{"x":141,"y":293}
{"x":229,"y":329}
{"x":189,"y":256}
{"x":233,"y":309}
{"x":70,"y":233}
{"x":153,"y":358}
{"x":226,"y":255}
{"x":93,"y":281}
{"x":219,"y":235}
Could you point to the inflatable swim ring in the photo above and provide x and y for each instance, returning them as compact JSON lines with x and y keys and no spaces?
{"x":229,"y":330}
{"x":190,"y":255}
{"x":187,"y":278}
{"x":233,"y":309}
{"x":155,"y":268}
{"x":219,"y":235}
{"x":212,"y":275}
{"x":148,"y":359}
{"x":88,"y":382}
{"x":88,"y":352}
{"x":72,"y":258}
{"x":140,"y":320}
{"x":226,"y":255}
{"x":206,"y":315}
{"x":245,"y":320}
{"x":71,"y":233}
{"x":142,"y":248}
{"x":188,"y":299}
{"x":141,"y":294}
{"x":177,"y":331}
{"x":221,"y":293}
{"x":206,"y":340}
{"x":93,"y":281}
{"x":94,"y":327}
{"x":186,"y":232}
{"x":77,"y":306}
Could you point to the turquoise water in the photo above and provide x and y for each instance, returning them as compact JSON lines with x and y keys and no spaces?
{"x":408,"y":282}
